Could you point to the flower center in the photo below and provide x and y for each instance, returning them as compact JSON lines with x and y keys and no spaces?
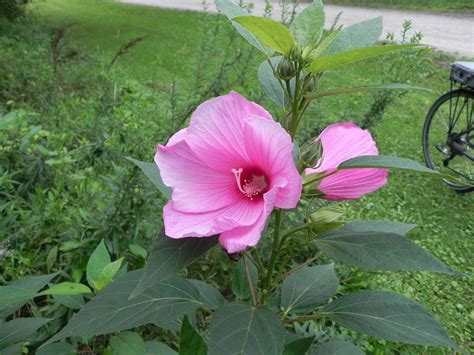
{"x":251,"y":183}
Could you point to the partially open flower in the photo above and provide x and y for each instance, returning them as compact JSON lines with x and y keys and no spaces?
{"x":227,"y":170}
{"x":343,"y":141}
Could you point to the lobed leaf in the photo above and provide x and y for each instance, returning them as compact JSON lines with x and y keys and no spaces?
{"x":190,"y":342}
{"x":152,"y":171}
{"x":239,"y":285}
{"x":337,"y":347}
{"x":298,"y":346}
{"x":378,"y":226}
{"x":18,"y":330}
{"x":211,"y":297}
{"x":271,"y":85}
{"x":308,"y":25}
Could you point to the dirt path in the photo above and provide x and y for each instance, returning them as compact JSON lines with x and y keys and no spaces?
{"x":452,"y":33}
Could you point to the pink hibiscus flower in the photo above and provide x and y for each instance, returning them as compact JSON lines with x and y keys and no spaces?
{"x":227,"y":170}
{"x":343,"y":141}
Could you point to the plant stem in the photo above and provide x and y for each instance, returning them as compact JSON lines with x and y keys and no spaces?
{"x":249,"y":280}
{"x":292,"y":231}
{"x":275,"y":248}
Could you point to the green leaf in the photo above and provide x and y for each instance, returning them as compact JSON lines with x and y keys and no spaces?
{"x":308,"y":26}
{"x":271,"y":33}
{"x":386,"y":161}
{"x":389,"y":316}
{"x":163,"y":305}
{"x":337,"y":347}
{"x":378,"y":251}
{"x":231,"y":11}
{"x":153,"y":173}
{"x":238,"y":328}
{"x":307,"y":288}
{"x":270,"y":84}
{"x":336,"y":60}
{"x":66,"y":288}
{"x":14,"y":349}
{"x":170,"y":256}
{"x":359,"y":35}
{"x":378,"y":226}
{"x":366,"y":88}
{"x":298,"y":347}
{"x":156,"y":348}
{"x":19,"y":329}
{"x":240,"y":286}
{"x":138,"y":250}
{"x":51,"y":258}
{"x":190,"y":342}
{"x":57,"y":349}
{"x":210,"y":295}
{"x":70,"y":301}
{"x":127,"y":343}
{"x":17,"y":293}
{"x":107,"y":274}
{"x":97,"y":261}
{"x":324,"y":44}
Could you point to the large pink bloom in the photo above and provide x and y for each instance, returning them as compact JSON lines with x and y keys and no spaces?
{"x":227,"y":170}
{"x":343,"y":141}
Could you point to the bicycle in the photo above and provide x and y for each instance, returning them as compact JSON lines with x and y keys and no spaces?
{"x":448,"y":132}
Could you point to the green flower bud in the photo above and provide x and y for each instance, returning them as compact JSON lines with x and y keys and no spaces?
{"x":326,"y":219}
{"x":285,"y":69}
{"x":310,"y":154}
{"x":310,"y":82}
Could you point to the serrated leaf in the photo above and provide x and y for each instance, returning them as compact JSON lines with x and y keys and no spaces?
{"x":308,"y":25}
{"x":337,"y":347}
{"x":211,"y":297}
{"x":111,"y":310}
{"x":378,"y":226}
{"x":190,"y":342}
{"x":238,"y":328}
{"x":240,"y":286}
{"x":307,"y":288}
{"x":66,"y":288}
{"x":168,"y":257}
{"x":271,"y":33}
{"x":366,"y":88}
{"x":231,"y":11}
{"x":57,"y":349}
{"x":152,"y":171}
{"x":156,"y":348}
{"x":298,"y":347}
{"x":97,"y":261}
{"x":127,"y":343}
{"x":107,"y":274}
{"x":389,"y":316}
{"x":336,"y":60}
{"x":19,"y":329}
{"x":359,"y":35}
{"x":378,"y":251}
{"x":17,"y":293}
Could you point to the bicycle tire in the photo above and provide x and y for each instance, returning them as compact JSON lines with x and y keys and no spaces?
{"x":426,"y":129}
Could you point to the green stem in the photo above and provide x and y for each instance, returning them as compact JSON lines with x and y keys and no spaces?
{"x":249,"y":281}
{"x":275,"y":248}
{"x":292,"y":231}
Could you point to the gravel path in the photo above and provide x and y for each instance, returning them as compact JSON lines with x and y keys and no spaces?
{"x":452,"y":33}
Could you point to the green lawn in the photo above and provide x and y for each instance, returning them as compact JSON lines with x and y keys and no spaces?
{"x":445,"y":217}
{"x":427,"y":5}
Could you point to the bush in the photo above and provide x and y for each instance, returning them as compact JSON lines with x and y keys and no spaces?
{"x":12,"y":9}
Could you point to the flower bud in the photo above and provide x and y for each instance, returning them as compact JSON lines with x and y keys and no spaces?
{"x":326,"y":219}
{"x":310,"y":82}
{"x":285,"y":69}
{"x":310,"y":154}
{"x":296,"y":54}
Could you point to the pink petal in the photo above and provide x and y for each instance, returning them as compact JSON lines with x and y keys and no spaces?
{"x":343,"y":141}
{"x":352,"y":184}
{"x":182,"y":224}
{"x":270,"y":148}
{"x":216,"y":130}
{"x":238,"y":239}
{"x":196,"y":187}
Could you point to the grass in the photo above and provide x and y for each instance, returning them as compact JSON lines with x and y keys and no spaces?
{"x":444,"y":217}
{"x":424,"y":5}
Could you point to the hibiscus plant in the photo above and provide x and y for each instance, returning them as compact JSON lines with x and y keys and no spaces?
{"x":233,"y":173}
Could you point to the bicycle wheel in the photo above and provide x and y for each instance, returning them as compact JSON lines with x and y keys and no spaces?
{"x":448,"y":138}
